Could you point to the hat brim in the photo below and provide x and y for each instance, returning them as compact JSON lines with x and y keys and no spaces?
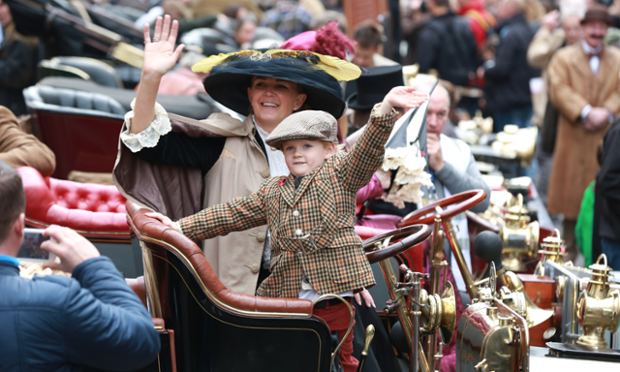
{"x":277,"y":143}
{"x":228,"y":82}
{"x":354,"y":104}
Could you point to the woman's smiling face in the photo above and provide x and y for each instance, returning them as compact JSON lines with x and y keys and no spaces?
{"x":273,"y":99}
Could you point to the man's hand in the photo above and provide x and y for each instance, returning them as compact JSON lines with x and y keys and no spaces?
{"x":71,"y":247}
{"x":385,"y":177}
{"x":433,"y":149}
{"x":597,"y":118}
{"x":551,"y":20}
{"x":368,"y":300}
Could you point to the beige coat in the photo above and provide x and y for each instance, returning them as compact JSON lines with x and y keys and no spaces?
{"x":19,"y":149}
{"x":177,"y":191}
{"x":573,"y":86}
{"x":543,"y":46}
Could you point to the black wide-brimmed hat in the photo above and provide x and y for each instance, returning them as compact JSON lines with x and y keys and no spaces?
{"x":231,"y":74}
{"x":373,"y":85}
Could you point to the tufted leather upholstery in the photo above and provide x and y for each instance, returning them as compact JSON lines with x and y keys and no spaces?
{"x":150,"y":228}
{"x":100,"y":72}
{"x":72,"y":101}
{"x":89,"y":208}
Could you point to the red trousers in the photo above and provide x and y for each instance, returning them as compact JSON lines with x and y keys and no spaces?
{"x":337,"y":318}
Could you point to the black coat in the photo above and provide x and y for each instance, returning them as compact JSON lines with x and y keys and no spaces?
{"x":447,"y":45}
{"x":17,"y":64}
{"x":508,"y":76}
{"x":608,"y":185}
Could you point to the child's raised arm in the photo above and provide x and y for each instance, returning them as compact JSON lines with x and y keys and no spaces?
{"x":366,"y":156}
{"x":403,"y":97}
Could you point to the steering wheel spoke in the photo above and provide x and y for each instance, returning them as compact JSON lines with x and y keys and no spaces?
{"x":458,"y":203}
{"x":410,"y":237}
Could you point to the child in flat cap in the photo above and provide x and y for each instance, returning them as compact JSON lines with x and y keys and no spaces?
{"x":311,"y":213}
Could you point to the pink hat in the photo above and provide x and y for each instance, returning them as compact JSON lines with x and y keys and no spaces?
{"x":328,"y":41}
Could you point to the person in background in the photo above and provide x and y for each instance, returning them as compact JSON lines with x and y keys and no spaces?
{"x":369,"y":47}
{"x":289,"y":18}
{"x":92,"y":319}
{"x":244,"y":31}
{"x":19,"y":149}
{"x":331,"y":16}
{"x":481,"y":21}
{"x":608,"y":191}
{"x":17,"y":63}
{"x":546,"y":42}
{"x":508,"y":74}
{"x":584,"y":86}
{"x":413,"y":19}
{"x":447,"y":46}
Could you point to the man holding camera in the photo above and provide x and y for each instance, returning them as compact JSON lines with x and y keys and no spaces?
{"x":55,"y":323}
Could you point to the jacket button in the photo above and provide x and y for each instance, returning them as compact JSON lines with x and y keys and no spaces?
{"x":255,"y":268}
{"x":261,"y":237}
{"x":298,"y":232}
{"x":265,"y":173}
{"x":296,"y":213}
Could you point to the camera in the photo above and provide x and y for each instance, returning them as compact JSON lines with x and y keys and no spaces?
{"x":31,"y":247}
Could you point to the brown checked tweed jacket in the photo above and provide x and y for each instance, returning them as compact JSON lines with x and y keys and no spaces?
{"x":311,"y":228}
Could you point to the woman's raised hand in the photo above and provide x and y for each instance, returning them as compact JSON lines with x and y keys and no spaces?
{"x":160,"y":54}
{"x":403,"y":97}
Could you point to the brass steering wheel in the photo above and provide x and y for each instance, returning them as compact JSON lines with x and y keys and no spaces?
{"x":426,"y":215}
{"x":375,"y":246}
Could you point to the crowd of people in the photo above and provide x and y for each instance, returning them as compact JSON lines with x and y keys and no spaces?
{"x":278,"y":188}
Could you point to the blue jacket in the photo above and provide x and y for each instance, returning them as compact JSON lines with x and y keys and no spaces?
{"x":53,"y":323}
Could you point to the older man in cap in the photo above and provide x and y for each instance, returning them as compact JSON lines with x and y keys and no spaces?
{"x":584,"y":86}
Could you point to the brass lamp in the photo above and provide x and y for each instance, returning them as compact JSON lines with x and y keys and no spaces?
{"x":519,"y":236}
{"x":598,"y":307}
{"x":551,"y":251}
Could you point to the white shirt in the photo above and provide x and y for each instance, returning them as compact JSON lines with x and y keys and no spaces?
{"x":595,"y":61}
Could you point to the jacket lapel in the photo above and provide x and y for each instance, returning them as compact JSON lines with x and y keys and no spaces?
{"x":287,"y":189}
{"x":580,"y":60}
{"x":305,"y":182}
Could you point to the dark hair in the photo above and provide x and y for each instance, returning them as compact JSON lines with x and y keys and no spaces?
{"x":368,"y":35}
{"x":445,"y":3}
{"x":12,"y":198}
{"x":232,"y":10}
{"x":250,"y":17}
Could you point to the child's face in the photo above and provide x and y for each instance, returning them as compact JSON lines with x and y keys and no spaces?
{"x":303,"y":156}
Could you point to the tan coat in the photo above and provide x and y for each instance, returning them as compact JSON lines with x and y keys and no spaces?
{"x":543,"y":46}
{"x":19,"y":149}
{"x":573,"y":86}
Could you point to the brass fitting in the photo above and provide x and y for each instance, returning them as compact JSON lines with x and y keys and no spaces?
{"x":520,"y":238}
{"x":598,"y":308}
{"x":551,"y":250}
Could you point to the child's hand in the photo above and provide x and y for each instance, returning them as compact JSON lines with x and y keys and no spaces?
{"x":402,"y":97}
{"x":163,"y":219}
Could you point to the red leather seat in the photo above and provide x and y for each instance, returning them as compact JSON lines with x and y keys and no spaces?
{"x":95,"y":211}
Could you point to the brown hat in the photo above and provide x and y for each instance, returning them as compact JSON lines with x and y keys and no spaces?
{"x":308,"y":124}
{"x":597,"y":12}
